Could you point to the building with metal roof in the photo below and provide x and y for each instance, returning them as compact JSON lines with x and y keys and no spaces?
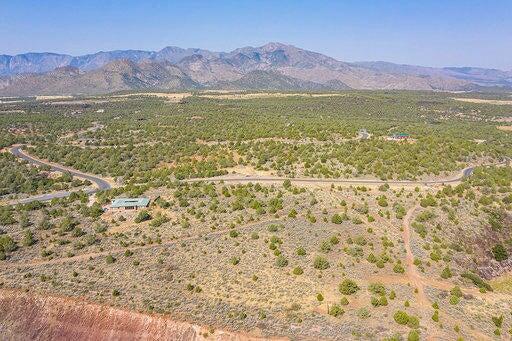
{"x":400,"y":136}
{"x":130,"y":203}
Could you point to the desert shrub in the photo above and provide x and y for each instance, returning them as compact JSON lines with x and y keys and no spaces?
{"x":7,"y":244}
{"x":233,"y":233}
{"x":446,"y":273}
{"x":479,"y":282}
{"x":325,"y":247}
{"x":419,"y":229}
{"x":400,"y":211}
{"x":371,"y":258}
{"x":363,"y":313}
{"x":429,"y":200}
{"x":382,"y":201}
{"x":336,"y":310}
{"x":142,"y":216}
{"x":67,"y":224}
{"x":100,"y":228}
{"x":377,"y":288}
{"x":348,"y":287}
{"x":301,"y":251}
{"x":425,"y":216}
{"x":360,"y":240}
{"x":436,"y":255}
{"x":298,"y":271}
{"x":499,"y":252}
{"x":336,"y":219}
{"x":234,"y":260}
{"x":281,"y":261}
{"x":77,"y":232}
{"x":6,"y":215}
{"x":398,"y":268}
{"x":456,"y":291}
{"x":319,"y":297}
{"x":28,"y":238}
{"x":159,"y":220}
{"x":454,"y":300}
{"x":435,"y":316}
{"x":379,"y":301}
{"x":497,"y":320}
{"x":414,"y":335}
{"x":320,"y":263}
{"x":110,"y":259}
{"x":401,"y":317}
{"x":344,"y":301}
{"x":384,"y":187}
{"x":273,"y":228}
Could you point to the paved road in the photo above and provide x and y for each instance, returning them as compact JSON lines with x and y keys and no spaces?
{"x":99,"y":183}
{"x":465,"y":173}
{"x":104,"y":185}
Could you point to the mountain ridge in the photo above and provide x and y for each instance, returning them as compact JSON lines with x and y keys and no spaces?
{"x":271,"y":66}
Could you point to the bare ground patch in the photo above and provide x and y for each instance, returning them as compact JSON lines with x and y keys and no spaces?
{"x":505,"y":128}
{"x":265,"y":95}
{"x":483,"y":101}
{"x":170,"y":97}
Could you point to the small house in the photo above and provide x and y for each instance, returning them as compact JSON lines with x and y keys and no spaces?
{"x":400,"y":136}
{"x":363,"y":134}
{"x":129,"y":203}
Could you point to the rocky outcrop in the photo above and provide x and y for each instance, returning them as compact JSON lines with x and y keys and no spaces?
{"x":25,"y":316}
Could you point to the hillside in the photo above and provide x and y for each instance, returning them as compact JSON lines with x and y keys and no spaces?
{"x":115,"y":76}
{"x":271,"y":66}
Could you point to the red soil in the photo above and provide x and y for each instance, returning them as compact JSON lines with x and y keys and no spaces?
{"x":25,"y":316}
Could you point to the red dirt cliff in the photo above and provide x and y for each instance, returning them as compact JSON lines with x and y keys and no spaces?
{"x":25,"y":316}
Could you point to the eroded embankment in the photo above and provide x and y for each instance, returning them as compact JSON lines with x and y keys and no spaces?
{"x":25,"y":316}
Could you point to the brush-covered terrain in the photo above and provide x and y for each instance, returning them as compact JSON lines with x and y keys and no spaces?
{"x":272,"y":215}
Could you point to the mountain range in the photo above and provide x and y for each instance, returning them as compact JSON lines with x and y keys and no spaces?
{"x":273,"y":66}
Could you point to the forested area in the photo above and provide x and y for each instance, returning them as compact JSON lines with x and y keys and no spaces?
{"x":148,"y":138}
{"x":18,"y":177}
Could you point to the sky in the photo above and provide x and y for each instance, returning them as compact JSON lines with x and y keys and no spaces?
{"x":419,"y":32}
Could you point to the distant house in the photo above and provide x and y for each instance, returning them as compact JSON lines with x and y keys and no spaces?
{"x":363,"y":134}
{"x":129,"y":203}
{"x":400,"y":136}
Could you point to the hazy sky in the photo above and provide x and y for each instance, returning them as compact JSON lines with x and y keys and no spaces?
{"x":424,"y":32}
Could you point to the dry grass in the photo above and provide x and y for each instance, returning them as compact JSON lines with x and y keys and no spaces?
{"x":503,"y":284}
{"x":483,"y":101}
{"x":505,"y":128}
{"x":170,"y":97}
{"x":46,"y":98}
{"x":265,"y":95}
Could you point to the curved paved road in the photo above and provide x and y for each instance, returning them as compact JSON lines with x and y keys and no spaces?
{"x":104,"y":185}
{"x":99,"y":183}
{"x":466,"y":172}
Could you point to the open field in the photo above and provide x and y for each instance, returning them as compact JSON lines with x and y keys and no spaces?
{"x":484,"y":101}
{"x":231,"y":95}
{"x":170,"y":97}
{"x":505,"y":128}
{"x":268,"y":217}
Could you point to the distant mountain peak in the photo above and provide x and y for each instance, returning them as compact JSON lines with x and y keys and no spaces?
{"x":273,"y":46}
{"x":273,"y":65}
